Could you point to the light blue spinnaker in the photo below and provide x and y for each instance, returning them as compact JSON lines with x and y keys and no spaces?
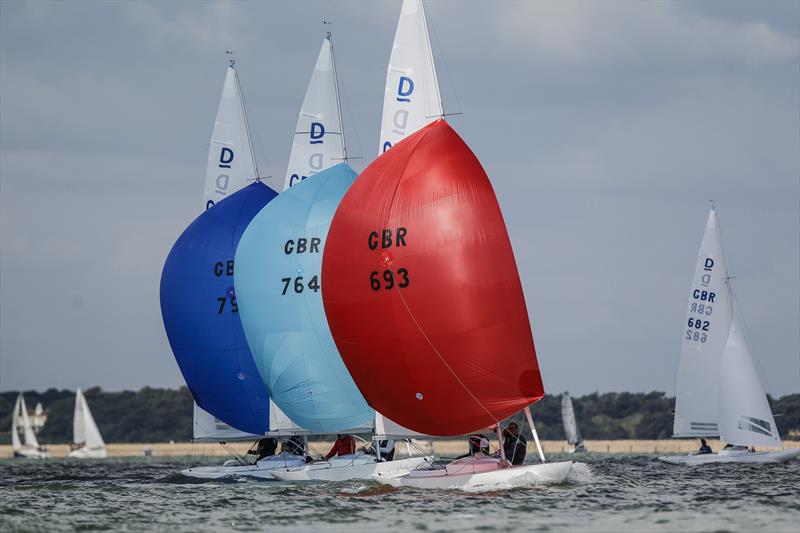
{"x":278,"y":289}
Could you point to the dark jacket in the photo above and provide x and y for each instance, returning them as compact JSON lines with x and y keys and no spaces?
{"x":515,"y":449}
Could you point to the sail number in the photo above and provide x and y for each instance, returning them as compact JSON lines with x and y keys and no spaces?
{"x":699,"y":324}
{"x":696,"y":336}
{"x":298,"y":285}
{"x":388,"y":280}
{"x":223,"y":300}
{"x":701,"y":309}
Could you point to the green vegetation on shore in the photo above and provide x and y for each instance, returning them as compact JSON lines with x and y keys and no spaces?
{"x":161,"y":415}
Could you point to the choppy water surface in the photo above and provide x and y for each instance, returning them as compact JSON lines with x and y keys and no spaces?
{"x":605,"y":493}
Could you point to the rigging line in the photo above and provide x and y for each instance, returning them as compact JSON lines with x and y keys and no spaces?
{"x":342,"y":96}
{"x":244,"y":115}
{"x":430,"y":56}
{"x":735,"y":308}
{"x":336,"y":92}
{"x":410,"y":314}
{"x":445,"y":67}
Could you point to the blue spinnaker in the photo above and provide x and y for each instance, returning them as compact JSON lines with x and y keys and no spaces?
{"x":278,"y":284}
{"x":200,"y":312}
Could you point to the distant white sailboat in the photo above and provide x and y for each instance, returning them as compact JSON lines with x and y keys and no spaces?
{"x":719,"y":392}
{"x":570,"y":424}
{"x":86,"y":438}
{"x":28,"y":447}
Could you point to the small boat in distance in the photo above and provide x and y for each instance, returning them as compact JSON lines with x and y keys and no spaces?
{"x":28,"y":447}
{"x":570,"y":425}
{"x":719,"y":392}
{"x":87,"y":443}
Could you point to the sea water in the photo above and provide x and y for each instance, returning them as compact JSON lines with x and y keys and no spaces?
{"x":603,"y":493}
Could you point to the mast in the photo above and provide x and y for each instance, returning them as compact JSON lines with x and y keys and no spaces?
{"x":338,"y":100}
{"x":430,"y":56}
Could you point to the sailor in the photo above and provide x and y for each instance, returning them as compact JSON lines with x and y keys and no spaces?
{"x":477,"y":444}
{"x":344,"y":445}
{"x":514,"y":445}
{"x":295,"y":445}
{"x":264,"y":448}
{"x":385,"y":448}
{"x":704,"y":448}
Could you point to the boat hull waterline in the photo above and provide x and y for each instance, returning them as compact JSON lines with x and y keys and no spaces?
{"x":537,"y":474}
{"x":778,"y":456}
{"x":263,"y":469}
{"x":351,"y":468}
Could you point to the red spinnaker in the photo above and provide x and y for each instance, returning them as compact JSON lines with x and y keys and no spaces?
{"x":422,"y":294}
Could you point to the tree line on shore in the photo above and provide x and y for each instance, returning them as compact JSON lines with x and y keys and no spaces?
{"x":161,"y":415}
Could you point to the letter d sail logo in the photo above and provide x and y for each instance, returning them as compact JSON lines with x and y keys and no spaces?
{"x":225,"y":158}
{"x":404,"y":89}
{"x":317,"y":132}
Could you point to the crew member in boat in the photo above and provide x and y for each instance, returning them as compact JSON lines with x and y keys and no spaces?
{"x":477,"y":444}
{"x":295,"y":445}
{"x":344,"y":445}
{"x":266,"y":447}
{"x":385,"y":448}
{"x":514,"y":445}
{"x":704,"y":448}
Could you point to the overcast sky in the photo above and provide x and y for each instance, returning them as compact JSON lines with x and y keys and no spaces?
{"x":605,"y":129}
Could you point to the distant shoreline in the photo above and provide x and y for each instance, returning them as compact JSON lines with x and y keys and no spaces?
{"x":445,"y":448}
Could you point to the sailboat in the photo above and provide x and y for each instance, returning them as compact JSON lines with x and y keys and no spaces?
{"x":278,"y":262}
{"x":28,"y":447}
{"x":719,"y":392}
{"x":86,"y":438}
{"x":571,"y":425}
{"x":198,"y":302}
{"x":418,"y":268}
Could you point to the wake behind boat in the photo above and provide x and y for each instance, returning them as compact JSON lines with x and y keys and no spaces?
{"x":719,"y":392}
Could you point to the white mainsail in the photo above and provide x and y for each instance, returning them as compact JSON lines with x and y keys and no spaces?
{"x":84,"y":429}
{"x":16,"y":444}
{"x":568,"y":417}
{"x":411,"y":99}
{"x":231,"y":163}
{"x":231,"y":160}
{"x":745,"y":416}
{"x":27,"y":429}
{"x":319,"y":139}
{"x":705,"y":334}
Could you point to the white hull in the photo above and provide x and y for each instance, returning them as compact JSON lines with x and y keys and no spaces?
{"x":483,"y":475}
{"x":31,"y":453}
{"x":88,"y":453}
{"x":736,"y":456}
{"x":351,"y":467}
{"x":262,"y":469}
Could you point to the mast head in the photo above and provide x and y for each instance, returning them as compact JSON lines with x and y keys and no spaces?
{"x":232,"y":59}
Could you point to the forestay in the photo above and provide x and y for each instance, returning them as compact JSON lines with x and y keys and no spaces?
{"x":231,"y":160}
{"x":84,"y":428}
{"x":705,"y":333}
{"x":318,"y":141}
{"x":422,"y":293}
{"x":411,"y":98}
{"x":745,"y":416}
{"x":278,"y":265}
{"x":200,"y":313}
